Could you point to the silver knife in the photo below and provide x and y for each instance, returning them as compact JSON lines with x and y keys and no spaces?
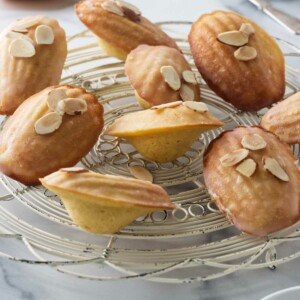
{"x":289,"y":22}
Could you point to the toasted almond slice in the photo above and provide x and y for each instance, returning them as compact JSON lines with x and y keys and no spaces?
{"x":21,"y":48}
{"x":112,"y":7}
{"x":55,"y":96}
{"x":247,"y":167}
{"x":22,"y":26}
{"x":48,"y":123}
{"x":253,"y":142}
{"x":272,"y":165}
{"x":124,"y":4}
{"x":16,"y":35}
{"x":171,"y":77}
{"x":140,"y":172}
{"x":245,"y":53}
{"x":196,"y":106}
{"x":72,"y":106}
{"x":247,"y":29}
{"x":186,"y":93}
{"x":74,"y":170}
{"x":233,"y":38}
{"x":233,"y":158}
{"x":167,"y":105}
{"x":44,"y":35}
{"x":189,"y":77}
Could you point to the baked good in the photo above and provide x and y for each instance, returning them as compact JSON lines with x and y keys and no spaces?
{"x":160,"y":74}
{"x":165,"y":132}
{"x":283,"y":119}
{"x":105,"y":203}
{"x":120,"y":27}
{"x":254,"y":179}
{"x":239,"y":61}
{"x":52,"y":129}
{"x":33,"y":52}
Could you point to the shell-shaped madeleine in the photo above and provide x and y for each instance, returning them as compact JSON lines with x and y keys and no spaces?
{"x":22,"y":77}
{"x":26,"y":155}
{"x":165,"y":134}
{"x":248,"y":85}
{"x":104,"y":203}
{"x":119,"y":31}
{"x":260,"y":194}
{"x":143,"y":68}
{"x":284,"y":119}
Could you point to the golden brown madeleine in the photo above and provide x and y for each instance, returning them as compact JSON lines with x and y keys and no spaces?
{"x":248,"y":85}
{"x":45,"y":49}
{"x":258,"y":190}
{"x":160,"y":74}
{"x":122,"y":30}
{"x":104,"y":203}
{"x":163,"y":133}
{"x":36,"y":141}
{"x":283,"y":119}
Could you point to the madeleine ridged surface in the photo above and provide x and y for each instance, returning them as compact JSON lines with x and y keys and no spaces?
{"x":284,"y":119}
{"x":120,"y":32}
{"x":143,"y":66}
{"x":23,"y":77}
{"x":165,"y":134}
{"x":104,"y":203}
{"x":26,"y":156}
{"x":248,"y":85}
{"x":259,"y":204}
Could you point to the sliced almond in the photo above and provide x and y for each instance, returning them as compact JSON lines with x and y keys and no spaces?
{"x":247,"y":167}
{"x":186,"y":93}
{"x":196,"y":106}
{"x":124,"y":4}
{"x":112,"y":7}
{"x":48,"y":123}
{"x":272,"y":165}
{"x":245,"y":53}
{"x":253,"y":142}
{"x":171,"y":77}
{"x":55,"y":96}
{"x":233,"y":38}
{"x":16,"y":35}
{"x":72,"y":106}
{"x":22,"y":26}
{"x":167,"y":105}
{"x":140,"y":172}
{"x":233,"y":158}
{"x":247,"y":29}
{"x":44,"y":35}
{"x":189,"y":77}
{"x":21,"y":48}
{"x":74,"y":170}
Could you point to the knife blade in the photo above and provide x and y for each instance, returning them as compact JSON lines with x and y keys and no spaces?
{"x":289,"y":22}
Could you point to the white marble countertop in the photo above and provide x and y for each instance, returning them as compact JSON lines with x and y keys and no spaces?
{"x":29,"y":282}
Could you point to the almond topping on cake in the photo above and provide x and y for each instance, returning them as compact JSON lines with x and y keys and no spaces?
{"x":233,"y":38}
{"x":171,"y":77}
{"x":140,"y":172}
{"x":234,"y":157}
{"x":48,"y":123}
{"x":253,"y":142}
{"x":245,"y":53}
{"x":44,"y":35}
{"x":272,"y":165}
{"x":196,"y":106}
{"x":247,"y":167}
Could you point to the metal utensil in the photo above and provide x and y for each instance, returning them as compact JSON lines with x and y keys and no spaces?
{"x":289,"y":22}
